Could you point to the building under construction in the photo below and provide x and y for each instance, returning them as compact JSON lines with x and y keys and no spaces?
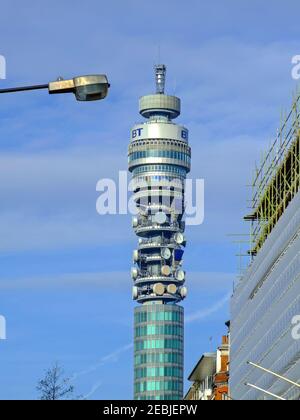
{"x":266,"y":301}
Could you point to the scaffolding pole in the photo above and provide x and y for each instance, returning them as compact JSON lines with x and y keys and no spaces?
{"x":275,"y":374}
{"x":265,"y":392}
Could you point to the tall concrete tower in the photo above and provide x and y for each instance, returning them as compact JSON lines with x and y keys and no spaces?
{"x":159,"y":160}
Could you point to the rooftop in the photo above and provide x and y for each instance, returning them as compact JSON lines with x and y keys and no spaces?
{"x":205,"y":367}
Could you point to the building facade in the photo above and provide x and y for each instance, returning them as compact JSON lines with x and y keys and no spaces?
{"x":210,"y":376}
{"x":202,"y":377}
{"x":159,"y":159}
{"x":267,"y":298}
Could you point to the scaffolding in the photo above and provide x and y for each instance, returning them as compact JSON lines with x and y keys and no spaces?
{"x":277,"y":179}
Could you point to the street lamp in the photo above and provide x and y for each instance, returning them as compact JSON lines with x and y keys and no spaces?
{"x":85,"y":88}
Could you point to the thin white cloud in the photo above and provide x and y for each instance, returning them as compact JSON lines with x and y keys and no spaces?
{"x":112,"y":357}
{"x":210,"y":280}
{"x":110,"y":280}
{"x":205,"y":313}
{"x":93,"y":390}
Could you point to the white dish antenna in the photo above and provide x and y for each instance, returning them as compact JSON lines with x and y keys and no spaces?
{"x":135,"y":293}
{"x":165,"y":270}
{"x":135,"y":222}
{"x":134,"y":273}
{"x":160,"y":217}
{"x":159,"y":289}
{"x":172,"y":289}
{"x":183,"y":292}
{"x":166,"y":253}
{"x":179,"y":238}
{"x":180,"y":275}
{"x":135,"y":255}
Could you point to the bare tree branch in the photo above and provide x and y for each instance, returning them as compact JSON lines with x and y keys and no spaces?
{"x":54,"y":386}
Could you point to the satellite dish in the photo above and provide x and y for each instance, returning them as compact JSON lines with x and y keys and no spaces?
{"x":180,"y":275}
{"x":172,"y":289}
{"x":166,"y":253}
{"x":159,"y":289}
{"x":165,"y":270}
{"x":183,"y":292}
{"x":135,"y":255}
{"x":135,"y":222}
{"x":160,"y":217}
{"x":179,"y":238}
{"x":140,"y":241}
{"x":134,"y":273}
{"x":135,"y":293}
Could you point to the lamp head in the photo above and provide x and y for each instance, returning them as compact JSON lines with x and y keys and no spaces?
{"x":85,"y":88}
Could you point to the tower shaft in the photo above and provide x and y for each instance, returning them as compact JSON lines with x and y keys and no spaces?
{"x":159,"y":160}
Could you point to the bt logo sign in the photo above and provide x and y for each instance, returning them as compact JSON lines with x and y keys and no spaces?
{"x":137,"y":132}
{"x":184,"y":134}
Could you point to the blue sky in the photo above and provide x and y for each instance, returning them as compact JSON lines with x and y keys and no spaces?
{"x":65,"y":288}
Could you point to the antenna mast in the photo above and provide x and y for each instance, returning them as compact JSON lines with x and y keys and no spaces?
{"x":160,"y":78}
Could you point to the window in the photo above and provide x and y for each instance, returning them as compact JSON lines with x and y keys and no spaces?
{"x":158,"y":386}
{"x":167,"y":154}
{"x":143,"y":316}
{"x":164,"y":371}
{"x":153,"y":329}
{"x":167,"y":343}
{"x":158,"y":357}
